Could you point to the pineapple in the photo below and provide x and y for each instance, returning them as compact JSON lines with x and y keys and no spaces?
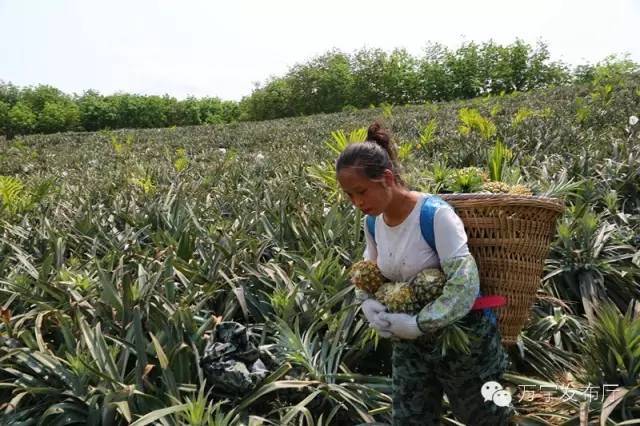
{"x":520,"y":189}
{"x":398,"y":297}
{"x":428,"y":285}
{"x":412,"y":296}
{"x":496,"y":187}
{"x":504,"y":188}
{"x":366,"y":276}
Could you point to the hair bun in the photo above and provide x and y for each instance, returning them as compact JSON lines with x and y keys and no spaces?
{"x":376,"y":134}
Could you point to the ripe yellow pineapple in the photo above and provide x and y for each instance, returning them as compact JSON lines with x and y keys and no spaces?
{"x":397,"y":297}
{"x":496,"y":187}
{"x":520,"y":189}
{"x":428,"y":284}
{"x":412,"y":296}
{"x":505,"y":188}
{"x":366,"y":275}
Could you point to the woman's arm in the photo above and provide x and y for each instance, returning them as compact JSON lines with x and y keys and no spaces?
{"x":462,"y":284}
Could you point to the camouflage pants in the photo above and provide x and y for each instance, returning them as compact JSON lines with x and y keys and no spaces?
{"x":421,"y":376}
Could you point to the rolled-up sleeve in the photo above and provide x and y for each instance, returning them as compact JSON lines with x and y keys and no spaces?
{"x":462,"y":282}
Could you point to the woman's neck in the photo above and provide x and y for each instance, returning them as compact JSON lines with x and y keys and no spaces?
{"x":402,"y":202}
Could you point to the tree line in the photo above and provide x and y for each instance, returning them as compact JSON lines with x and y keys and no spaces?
{"x":45,"y":109}
{"x":332,"y":82}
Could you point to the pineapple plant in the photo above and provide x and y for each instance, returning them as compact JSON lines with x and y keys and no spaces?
{"x":468,"y":179}
{"x":499,"y":171}
{"x":484,"y":176}
{"x":366,"y":276}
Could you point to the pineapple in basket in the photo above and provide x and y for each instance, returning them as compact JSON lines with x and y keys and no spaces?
{"x":505,"y":188}
{"x":496,"y":187}
{"x":520,"y":189}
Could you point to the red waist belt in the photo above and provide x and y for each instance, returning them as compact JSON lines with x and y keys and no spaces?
{"x":484,"y":302}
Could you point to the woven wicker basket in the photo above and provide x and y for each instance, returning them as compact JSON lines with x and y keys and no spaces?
{"x":509,"y":237}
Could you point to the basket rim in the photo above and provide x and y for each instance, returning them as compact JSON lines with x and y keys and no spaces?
{"x":552,"y":203}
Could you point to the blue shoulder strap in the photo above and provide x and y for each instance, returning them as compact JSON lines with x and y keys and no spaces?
{"x":371,"y":225}
{"x":427,"y":214}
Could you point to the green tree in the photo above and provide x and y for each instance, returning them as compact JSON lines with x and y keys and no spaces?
{"x":542,"y":72}
{"x":400,"y":79}
{"x":464,"y":66}
{"x":37,"y":97}
{"x":137,"y":111}
{"x":97,"y":112}
{"x":434,"y":82}
{"x":230,"y":111}
{"x":22,"y":119}
{"x":9,"y":93}
{"x":268,"y":102}
{"x":323,"y":84}
{"x":188,"y":112}
{"x":368,"y":77}
{"x":4,"y":117}
{"x":211,"y":110}
{"x":58,"y":116}
{"x":334,"y":83}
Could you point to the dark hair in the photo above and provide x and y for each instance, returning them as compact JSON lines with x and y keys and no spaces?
{"x":373,"y":156}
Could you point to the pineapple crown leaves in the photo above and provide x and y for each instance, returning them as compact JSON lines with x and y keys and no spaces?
{"x":340,"y":140}
{"x":15,"y":197}
{"x":11,"y":190}
{"x":324,"y":176}
{"x":613,"y":346}
{"x":467,"y":180}
{"x":498,"y":157}
{"x":472,"y":120}
{"x":427,"y":133}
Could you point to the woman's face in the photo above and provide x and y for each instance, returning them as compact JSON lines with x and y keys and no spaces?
{"x":372,"y":197}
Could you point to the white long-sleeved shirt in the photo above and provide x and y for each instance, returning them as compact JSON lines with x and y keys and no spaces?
{"x":401,"y":251}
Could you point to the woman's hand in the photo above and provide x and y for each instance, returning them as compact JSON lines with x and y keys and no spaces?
{"x":404,"y":326}
{"x":372,"y":310}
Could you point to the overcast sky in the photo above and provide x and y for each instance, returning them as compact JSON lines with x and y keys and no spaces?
{"x":220,"y":48}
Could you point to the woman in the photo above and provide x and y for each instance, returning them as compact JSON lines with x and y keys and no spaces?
{"x":368,"y":173}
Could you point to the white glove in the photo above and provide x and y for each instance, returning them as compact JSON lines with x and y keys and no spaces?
{"x":372,"y":310}
{"x":403,"y":326}
{"x":383,"y":333}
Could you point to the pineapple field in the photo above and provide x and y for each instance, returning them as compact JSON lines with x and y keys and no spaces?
{"x":201,"y":275}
